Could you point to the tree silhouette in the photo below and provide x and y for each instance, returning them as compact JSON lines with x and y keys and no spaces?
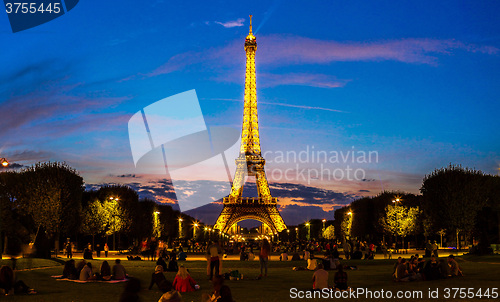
{"x":453,"y":197}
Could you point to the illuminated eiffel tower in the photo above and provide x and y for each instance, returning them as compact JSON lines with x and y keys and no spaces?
{"x":250,"y":163}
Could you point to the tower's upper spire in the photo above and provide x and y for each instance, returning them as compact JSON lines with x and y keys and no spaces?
{"x":250,"y":24}
{"x":250,"y":38}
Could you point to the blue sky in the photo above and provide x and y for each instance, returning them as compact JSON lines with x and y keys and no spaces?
{"x":416,"y":82}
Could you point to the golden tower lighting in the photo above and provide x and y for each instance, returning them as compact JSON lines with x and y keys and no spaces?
{"x":250,"y":161}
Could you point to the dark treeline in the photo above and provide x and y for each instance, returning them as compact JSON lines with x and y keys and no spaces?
{"x":457,"y":205}
{"x":47,"y":203}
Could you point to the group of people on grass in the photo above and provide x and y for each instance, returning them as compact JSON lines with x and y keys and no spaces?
{"x":9,"y":284}
{"x":83,"y":271}
{"x":183,"y":282}
{"x":320,"y":278}
{"x":417,"y":269}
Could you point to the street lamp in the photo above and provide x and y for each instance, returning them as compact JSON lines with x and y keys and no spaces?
{"x":4,"y":162}
{"x":395,"y":202}
{"x":180,"y":228}
{"x":308,"y":225}
{"x":114,"y":224}
{"x":195,"y":226}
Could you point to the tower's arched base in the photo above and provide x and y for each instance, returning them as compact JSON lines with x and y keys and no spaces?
{"x":250,"y":208}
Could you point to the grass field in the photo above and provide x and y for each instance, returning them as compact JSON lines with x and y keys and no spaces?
{"x":480,"y":272}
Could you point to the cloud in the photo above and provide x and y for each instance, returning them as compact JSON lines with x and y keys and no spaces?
{"x":42,"y":101}
{"x":28,"y":156}
{"x":280,"y":105}
{"x":302,"y":79}
{"x":229,"y":24}
{"x":314,"y":202}
{"x":300,"y":50}
{"x":285,"y":50}
{"x":298,"y":79}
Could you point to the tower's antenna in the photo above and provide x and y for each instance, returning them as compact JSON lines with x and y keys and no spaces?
{"x":250,"y":23}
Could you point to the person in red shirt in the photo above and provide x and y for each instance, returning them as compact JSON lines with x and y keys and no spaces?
{"x":183,"y":281}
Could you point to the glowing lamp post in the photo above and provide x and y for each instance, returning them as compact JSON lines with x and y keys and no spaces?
{"x":395,"y":202}
{"x":180,"y":228}
{"x":4,"y":162}
{"x":308,"y":225}
{"x":195,"y":226}
{"x":114,"y":224}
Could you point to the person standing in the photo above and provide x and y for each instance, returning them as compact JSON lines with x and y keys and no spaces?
{"x":383,"y":247}
{"x":214,"y":250}
{"x":98,"y":250}
{"x":265,"y":251}
{"x":347,"y":250}
{"x":69,"y":250}
{"x":428,"y":249}
{"x":106,"y":250}
{"x":435,"y":249}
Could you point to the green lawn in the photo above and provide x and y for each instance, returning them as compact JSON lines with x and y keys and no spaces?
{"x":481,"y":272}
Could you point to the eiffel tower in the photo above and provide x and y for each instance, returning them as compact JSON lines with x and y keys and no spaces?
{"x":250,"y":163}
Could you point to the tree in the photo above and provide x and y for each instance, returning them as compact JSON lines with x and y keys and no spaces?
{"x":50,"y":193}
{"x":114,"y":217}
{"x":453,"y":197}
{"x":400,"y":220}
{"x":346,"y":225}
{"x":329,"y":233}
{"x":93,"y":219}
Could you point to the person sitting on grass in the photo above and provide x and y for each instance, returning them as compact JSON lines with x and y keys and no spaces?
{"x":182,"y":255}
{"x":81,"y":264}
{"x":86,"y":273}
{"x":221,"y":292}
{"x":431,"y":269}
{"x":159,"y":279}
{"x":119,"y":272}
{"x":312,"y":264}
{"x":398,"y":262}
{"x":105,"y":274}
{"x":320,"y":278}
{"x":183,"y":281}
{"x":70,"y":271}
{"x":161,"y":261}
{"x":9,"y":285}
{"x":402,"y":271}
{"x":340,"y":278}
{"x":131,"y":291}
{"x":171,"y":296}
{"x":454,"y":267}
{"x":172,"y":266}
{"x":444,"y":269}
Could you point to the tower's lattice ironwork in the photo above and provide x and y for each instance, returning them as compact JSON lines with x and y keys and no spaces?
{"x":250,"y":162}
